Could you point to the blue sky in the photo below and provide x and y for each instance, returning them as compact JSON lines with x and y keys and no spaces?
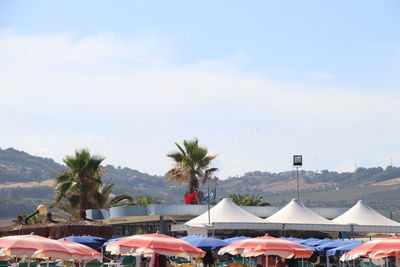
{"x":255,"y":82}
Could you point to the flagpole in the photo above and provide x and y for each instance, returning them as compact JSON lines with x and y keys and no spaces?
{"x":208,"y":201}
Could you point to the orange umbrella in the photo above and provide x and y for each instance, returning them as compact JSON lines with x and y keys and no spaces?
{"x":374,"y":249}
{"x":267,"y":245}
{"x":82,"y":252}
{"x":34,"y":246}
{"x":149,"y":244}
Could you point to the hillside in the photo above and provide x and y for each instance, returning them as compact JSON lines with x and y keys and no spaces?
{"x":27,"y":181}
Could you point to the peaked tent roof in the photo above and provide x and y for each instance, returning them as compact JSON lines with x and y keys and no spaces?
{"x":362,"y":214}
{"x":296,"y":212}
{"x":224,"y":212}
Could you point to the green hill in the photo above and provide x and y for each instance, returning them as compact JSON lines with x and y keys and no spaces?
{"x":378,"y":187}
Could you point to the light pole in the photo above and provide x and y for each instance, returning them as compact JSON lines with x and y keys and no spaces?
{"x":297,"y":163}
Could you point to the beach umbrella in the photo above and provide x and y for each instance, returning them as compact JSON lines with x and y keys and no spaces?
{"x":148,"y":244}
{"x":112,"y":240}
{"x":24,"y":246}
{"x":343,"y":249}
{"x":87,"y":240}
{"x":316,"y":242}
{"x":267,"y":245}
{"x":82,"y":252}
{"x":235,"y":239}
{"x":321,"y":249}
{"x":208,"y":243}
{"x":190,"y":237}
{"x":293,"y":239}
{"x":379,"y":248}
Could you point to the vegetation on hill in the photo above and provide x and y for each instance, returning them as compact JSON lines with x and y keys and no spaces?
{"x":18,"y":166}
{"x":378,"y":187}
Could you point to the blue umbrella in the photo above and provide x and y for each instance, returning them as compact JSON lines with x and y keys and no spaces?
{"x":343,"y":249}
{"x":236,"y":239}
{"x":190,"y":237}
{"x":208,"y":243}
{"x":299,"y":241}
{"x":316,"y":243}
{"x":87,"y":240}
{"x":334,"y":244}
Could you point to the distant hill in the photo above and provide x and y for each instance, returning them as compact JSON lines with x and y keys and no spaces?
{"x":27,"y":181}
{"x":18,"y":166}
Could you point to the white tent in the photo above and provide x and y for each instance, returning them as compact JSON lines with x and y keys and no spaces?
{"x":224,"y":212}
{"x":295,"y":212}
{"x":362,"y":214}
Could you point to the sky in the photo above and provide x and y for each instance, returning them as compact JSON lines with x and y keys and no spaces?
{"x":256,"y":82}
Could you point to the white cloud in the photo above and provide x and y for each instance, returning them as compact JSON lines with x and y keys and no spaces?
{"x":129,"y":99}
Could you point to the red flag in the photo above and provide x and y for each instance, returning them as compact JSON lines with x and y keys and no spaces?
{"x":190,"y":198}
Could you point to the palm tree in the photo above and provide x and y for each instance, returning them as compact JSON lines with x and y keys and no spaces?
{"x":191,"y":164}
{"x":80,"y":187}
{"x":248,"y":200}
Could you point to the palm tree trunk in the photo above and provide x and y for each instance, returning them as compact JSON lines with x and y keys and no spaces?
{"x":194,"y":188}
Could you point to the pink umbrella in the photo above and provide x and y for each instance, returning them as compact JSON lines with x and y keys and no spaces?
{"x":23,"y":246}
{"x":149,"y":244}
{"x":374,"y":249}
{"x":82,"y":252}
{"x":267,"y":245}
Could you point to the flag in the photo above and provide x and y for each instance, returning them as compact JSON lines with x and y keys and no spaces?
{"x":190,"y":198}
{"x":211,"y":196}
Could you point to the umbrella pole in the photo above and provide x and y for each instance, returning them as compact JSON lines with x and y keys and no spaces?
{"x":29,"y":261}
{"x":47,"y":263}
{"x":397,"y":259}
{"x":137,"y":261}
{"x":327,"y":261}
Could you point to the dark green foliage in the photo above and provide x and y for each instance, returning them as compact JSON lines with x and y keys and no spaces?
{"x":248,"y":200}
{"x":15,"y":201}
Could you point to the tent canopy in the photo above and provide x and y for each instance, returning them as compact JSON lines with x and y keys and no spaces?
{"x":362,"y":214}
{"x":224,"y":212}
{"x":296,"y":212}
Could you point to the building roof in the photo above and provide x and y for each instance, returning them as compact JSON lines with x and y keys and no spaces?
{"x":296,"y":212}
{"x":224,"y":212}
{"x":362,"y":214}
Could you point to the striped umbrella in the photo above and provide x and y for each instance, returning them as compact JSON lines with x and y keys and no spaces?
{"x":267,"y":245}
{"x":379,"y":248}
{"x":148,"y":244}
{"x":24,"y":246}
{"x":82,"y":252}
{"x":236,"y":239}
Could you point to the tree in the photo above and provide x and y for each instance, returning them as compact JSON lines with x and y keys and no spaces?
{"x":80,"y":187}
{"x":147,"y":200}
{"x":191,"y":164}
{"x":248,"y":200}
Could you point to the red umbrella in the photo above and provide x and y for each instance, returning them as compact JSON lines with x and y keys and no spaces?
{"x":82,"y":252}
{"x":379,"y":248}
{"x":149,"y":244}
{"x":267,"y":245}
{"x":34,"y":246}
